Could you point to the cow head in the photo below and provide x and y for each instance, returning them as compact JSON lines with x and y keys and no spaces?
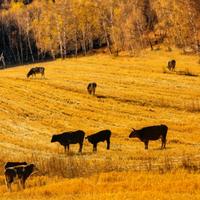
{"x":28,"y":75}
{"x":31,"y":168}
{"x":89,"y":139}
{"x":34,"y":167}
{"x":54,"y":138}
{"x":133,"y":133}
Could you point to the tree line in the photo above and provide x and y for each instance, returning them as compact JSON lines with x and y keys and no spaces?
{"x":32,"y":30}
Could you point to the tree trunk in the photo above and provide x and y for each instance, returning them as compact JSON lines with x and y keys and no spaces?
{"x":84,"y":43}
{"x":76,"y":45}
{"x":107,"y":38}
{"x":18,"y":54}
{"x":29,"y":45}
{"x":21,"y":44}
{"x":64,"y":43}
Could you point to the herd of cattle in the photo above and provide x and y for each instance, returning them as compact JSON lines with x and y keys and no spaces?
{"x":77,"y":137}
{"x":91,"y":88}
{"x":74,"y":137}
{"x":22,"y":170}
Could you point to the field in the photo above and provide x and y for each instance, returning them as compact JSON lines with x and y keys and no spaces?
{"x":132,"y":92}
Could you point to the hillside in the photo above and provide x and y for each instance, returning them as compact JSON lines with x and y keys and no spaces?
{"x":132,"y":92}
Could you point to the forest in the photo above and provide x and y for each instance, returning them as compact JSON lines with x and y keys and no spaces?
{"x":35,"y":30}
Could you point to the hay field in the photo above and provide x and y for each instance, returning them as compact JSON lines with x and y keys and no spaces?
{"x":131,"y":92}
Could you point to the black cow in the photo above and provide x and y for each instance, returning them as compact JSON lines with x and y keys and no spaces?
{"x":91,"y":88}
{"x":14,"y":164}
{"x":100,"y":137}
{"x":171,"y":65}
{"x":151,"y":133}
{"x":21,"y":172}
{"x":36,"y":70}
{"x":67,"y":138}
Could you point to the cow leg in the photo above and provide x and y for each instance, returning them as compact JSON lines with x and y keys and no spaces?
{"x":8,"y":184}
{"x":81,"y":146}
{"x":163,"y":139}
{"x":108,"y":143}
{"x":89,"y":90}
{"x":22,"y":182}
{"x":163,"y":143}
{"x":19,"y":185}
{"x":95,"y":147}
{"x":65,"y":148}
{"x":68,"y":147}
{"x":9,"y":181}
{"x":146,"y":144}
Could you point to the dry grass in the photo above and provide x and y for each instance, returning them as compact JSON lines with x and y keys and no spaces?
{"x":120,"y":185}
{"x":131,"y":92}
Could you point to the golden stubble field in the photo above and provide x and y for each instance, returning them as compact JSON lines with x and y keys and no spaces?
{"x":131,"y":92}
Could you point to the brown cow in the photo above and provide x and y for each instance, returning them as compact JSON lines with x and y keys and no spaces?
{"x":36,"y":70}
{"x":171,"y":65}
{"x":21,"y":172}
{"x":91,"y":88}
{"x":67,"y":138}
{"x":101,"y":136}
{"x":151,"y":133}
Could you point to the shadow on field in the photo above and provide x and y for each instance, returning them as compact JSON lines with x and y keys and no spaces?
{"x":71,"y":154}
{"x":36,"y":78}
{"x":159,"y":149}
{"x":101,"y":96}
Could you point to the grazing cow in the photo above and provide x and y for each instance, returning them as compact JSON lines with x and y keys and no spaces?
{"x":171,"y":65}
{"x":101,"y":136}
{"x":13,"y":164}
{"x":91,"y":88}
{"x":68,"y":138}
{"x":21,"y":172}
{"x":151,"y":133}
{"x":36,"y":70}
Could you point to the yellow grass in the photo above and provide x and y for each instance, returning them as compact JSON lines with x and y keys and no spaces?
{"x":131,"y":92}
{"x":126,"y":185}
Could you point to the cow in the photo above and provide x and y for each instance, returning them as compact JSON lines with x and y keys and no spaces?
{"x":21,"y":172}
{"x":91,"y":88}
{"x":101,"y":136}
{"x":171,"y":65}
{"x":36,"y":70}
{"x":151,"y":133}
{"x":67,"y":138}
{"x":13,"y":164}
